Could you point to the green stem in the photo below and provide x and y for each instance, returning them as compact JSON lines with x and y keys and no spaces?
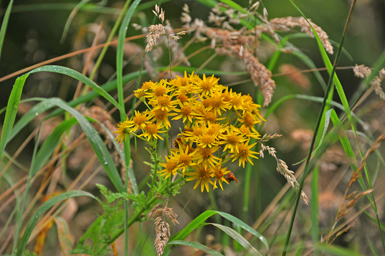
{"x":155,"y":156}
{"x":214,"y":206}
{"x":246,"y":191}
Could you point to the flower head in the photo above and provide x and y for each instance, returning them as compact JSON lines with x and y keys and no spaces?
{"x":203,"y":176}
{"x":123,"y":130}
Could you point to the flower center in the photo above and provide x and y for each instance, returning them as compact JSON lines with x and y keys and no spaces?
{"x":206,"y":85}
{"x":249,"y":121}
{"x":245,"y":130}
{"x":236,"y":101}
{"x":198,"y":131}
{"x":209,"y":116}
{"x":160,"y":91}
{"x":232,"y":139}
{"x":207,"y":103}
{"x":151,"y":129}
{"x":160,"y":114}
{"x":183,"y":98}
{"x":214,"y":129}
{"x":184,"y":81}
{"x":185,"y":110}
{"x":243,"y":150}
{"x":170,"y":166}
{"x":163,"y":101}
{"x":207,"y":139}
{"x":216,"y":102}
{"x":218,"y":172}
{"x":139,"y":119}
{"x":205,"y":152}
{"x":203,"y":173}
{"x":184,"y":159}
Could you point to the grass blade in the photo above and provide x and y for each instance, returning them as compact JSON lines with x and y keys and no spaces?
{"x":5,"y":24}
{"x":80,"y":77}
{"x":96,"y":143}
{"x":200,"y":220}
{"x":197,"y":246}
{"x":239,"y":238}
{"x":10,"y":114}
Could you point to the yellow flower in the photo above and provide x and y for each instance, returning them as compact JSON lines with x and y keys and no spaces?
{"x":231,"y":139}
{"x":236,"y":101}
{"x":206,"y":157}
{"x":161,"y":117}
{"x":147,"y":85}
{"x":193,"y":133}
{"x":208,"y":85}
{"x":151,"y":131}
{"x":219,"y":173}
{"x":123,"y":130}
{"x":139,"y":121}
{"x":244,"y":154}
{"x":159,"y":89}
{"x":184,"y":158}
{"x":246,"y":131}
{"x":207,"y":140}
{"x":140,"y":93}
{"x":170,"y":168}
{"x":185,"y":112}
{"x":163,"y":102}
{"x":217,"y":103}
{"x":214,"y":129}
{"x":186,"y":84}
{"x":205,"y":116}
{"x":203,"y":176}
{"x":248,"y":120}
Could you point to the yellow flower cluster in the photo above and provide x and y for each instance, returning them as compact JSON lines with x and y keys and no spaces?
{"x":218,"y":126}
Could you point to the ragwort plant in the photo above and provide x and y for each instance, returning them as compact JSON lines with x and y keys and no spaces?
{"x":216,"y":126}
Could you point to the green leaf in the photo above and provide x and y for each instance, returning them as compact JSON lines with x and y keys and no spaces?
{"x":197,"y":246}
{"x":109,"y":86}
{"x":200,"y":220}
{"x":29,"y":116}
{"x":239,"y":238}
{"x":335,"y":250}
{"x":5,"y":24}
{"x":42,"y":209}
{"x":93,"y":137}
{"x":80,"y":77}
{"x":10,"y":114}
{"x":96,"y":143}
